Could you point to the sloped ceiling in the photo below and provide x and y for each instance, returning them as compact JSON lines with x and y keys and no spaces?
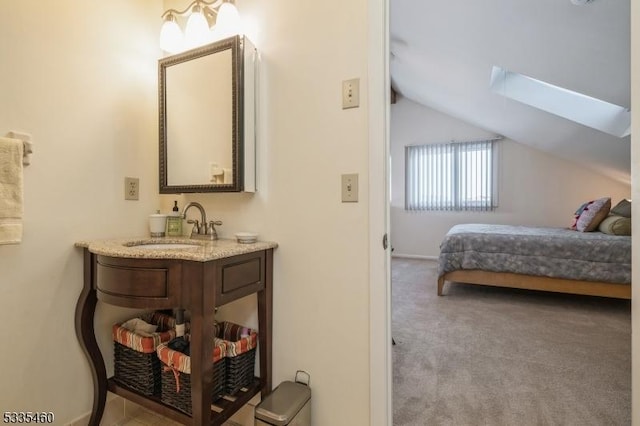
{"x":442,"y":52}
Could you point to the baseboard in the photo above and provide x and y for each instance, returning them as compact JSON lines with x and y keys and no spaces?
{"x":414,"y":256}
{"x":114,"y":412}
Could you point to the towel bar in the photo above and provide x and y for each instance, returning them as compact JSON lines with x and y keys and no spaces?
{"x":27,"y":145}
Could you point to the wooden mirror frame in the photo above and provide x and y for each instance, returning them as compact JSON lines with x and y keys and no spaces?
{"x":236,"y":45}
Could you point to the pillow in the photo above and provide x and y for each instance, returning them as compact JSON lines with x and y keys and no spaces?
{"x":590,"y":214}
{"x":623,"y":208}
{"x":616,"y":225}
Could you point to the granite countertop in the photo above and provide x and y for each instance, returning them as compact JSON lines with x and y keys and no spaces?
{"x":202,"y":250}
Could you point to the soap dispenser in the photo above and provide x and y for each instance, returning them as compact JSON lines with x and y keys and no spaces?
{"x":174,"y":222}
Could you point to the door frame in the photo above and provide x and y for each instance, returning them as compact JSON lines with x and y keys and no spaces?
{"x":380,"y":373}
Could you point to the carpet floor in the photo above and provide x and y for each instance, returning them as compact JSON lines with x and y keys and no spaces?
{"x":493,"y":356}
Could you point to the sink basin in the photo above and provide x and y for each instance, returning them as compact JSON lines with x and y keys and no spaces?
{"x":164,"y":246}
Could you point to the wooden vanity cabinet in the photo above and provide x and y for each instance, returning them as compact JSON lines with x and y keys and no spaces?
{"x":170,"y":283}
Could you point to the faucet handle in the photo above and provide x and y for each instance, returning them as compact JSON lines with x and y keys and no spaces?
{"x":196,"y":226}
{"x":211,"y":229}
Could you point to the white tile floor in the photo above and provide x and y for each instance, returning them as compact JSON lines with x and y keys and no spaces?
{"x":136,"y":415}
{"x":139,"y":416}
{"x":120,"y":412}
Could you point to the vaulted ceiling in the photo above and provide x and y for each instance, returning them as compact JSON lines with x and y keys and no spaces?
{"x":442,"y":53}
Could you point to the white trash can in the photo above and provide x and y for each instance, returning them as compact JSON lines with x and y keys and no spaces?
{"x":288,"y":405}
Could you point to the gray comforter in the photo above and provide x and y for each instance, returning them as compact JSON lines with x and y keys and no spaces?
{"x":550,"y":252}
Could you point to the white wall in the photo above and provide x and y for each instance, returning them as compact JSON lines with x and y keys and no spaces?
{"x":536,"y":188}
{"x":321,"y":297}
{"x":81,"y":78}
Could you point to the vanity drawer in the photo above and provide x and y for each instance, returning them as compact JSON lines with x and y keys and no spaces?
{"x":137,"y":283}
{"x":240,"y":276}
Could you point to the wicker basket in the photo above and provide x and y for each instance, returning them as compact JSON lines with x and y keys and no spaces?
{"x":136,"y":364}
{"x":176,"y":376}
{"x":240,"y":358}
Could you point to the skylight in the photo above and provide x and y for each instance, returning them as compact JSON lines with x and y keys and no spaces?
{"x":595,"y":113}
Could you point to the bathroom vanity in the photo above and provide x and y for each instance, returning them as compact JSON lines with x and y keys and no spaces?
{"x":171,"y":273}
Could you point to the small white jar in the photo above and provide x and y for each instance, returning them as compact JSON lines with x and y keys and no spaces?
{"x":157,"y":224}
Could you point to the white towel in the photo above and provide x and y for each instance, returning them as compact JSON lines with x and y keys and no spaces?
{"x":140,"y":326}
{"x":11,"y":191}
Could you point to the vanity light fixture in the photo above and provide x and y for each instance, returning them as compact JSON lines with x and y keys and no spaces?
{"x":206,"y":23}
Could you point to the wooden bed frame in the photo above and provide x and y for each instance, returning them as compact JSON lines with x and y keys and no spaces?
{"x":530,"y":282}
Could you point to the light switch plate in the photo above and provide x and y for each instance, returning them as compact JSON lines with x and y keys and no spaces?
{"x":351,"y":93}
{"x":350,"y":188}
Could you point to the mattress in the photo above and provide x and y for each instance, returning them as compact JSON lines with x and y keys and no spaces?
{"x":547,"y":252}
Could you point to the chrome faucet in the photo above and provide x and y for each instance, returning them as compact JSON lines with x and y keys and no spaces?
{"x":201,"y":229}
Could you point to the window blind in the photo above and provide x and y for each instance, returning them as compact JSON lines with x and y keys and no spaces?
{"x":452,"y":176}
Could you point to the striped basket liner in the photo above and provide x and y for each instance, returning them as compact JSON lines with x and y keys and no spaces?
{"x":135,"y":362}
{"x":238,"y":339}
{"x":182,"y":362}
{"x":147,"y":344}
{"x":241,"y":343}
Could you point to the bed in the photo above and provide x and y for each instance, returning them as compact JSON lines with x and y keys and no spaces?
{"x":536,"y":258}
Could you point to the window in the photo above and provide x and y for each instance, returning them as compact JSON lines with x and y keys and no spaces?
{"x":595,"y":113}
{"x":452,"y":176}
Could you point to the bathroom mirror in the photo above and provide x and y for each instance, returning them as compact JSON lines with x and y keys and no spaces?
{"x":207,"y":118}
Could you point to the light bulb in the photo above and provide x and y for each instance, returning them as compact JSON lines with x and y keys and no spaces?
{"x":228,"y":21}
{"x":197,"y":31}
{"x":170,"y":35}
{"x":214,"y":35}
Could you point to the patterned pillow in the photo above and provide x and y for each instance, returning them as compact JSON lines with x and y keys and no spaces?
{"x":590,"y":214}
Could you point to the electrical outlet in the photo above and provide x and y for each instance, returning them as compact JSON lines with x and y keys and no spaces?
{"x":131,"y":188}
{"x":351,"y":93}
{"x":350,"y":188}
